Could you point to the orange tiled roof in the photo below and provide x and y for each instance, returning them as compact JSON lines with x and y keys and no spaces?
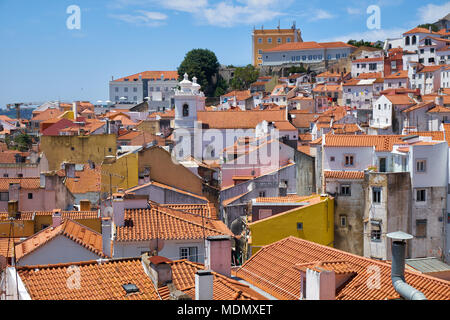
{"x":275,"y":269}
{"x":206,"y":210}
{"x":103,"y":280}
{"x":430,"y":68}
{"x":370,"y":75}
{"x":165,"y":186}
{"x":291,"y":198}
{"x":166,"y":224}
{"x":327,"y":88}
{"x":398,"y":75}
{"x":82,"y":235}
{"x":425,"y":104}
{"x":380,"y":142}
{"x":7,"y":246}
{"x":151,"y":75}
{"x":87,"y":180}
{"x":47,"y":114}
{"x":418,"y":30}
{"x":99,"y":281}
{"x":310,"y":45}
{"x":346,"y":175}
{"x":240,"y":95}
{"x":25,"y":183}
{"x":400,"y":99}
{"x":239,"y":119}
{"x":368,"y":60}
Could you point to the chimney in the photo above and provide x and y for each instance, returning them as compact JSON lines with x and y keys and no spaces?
{"x":42,"y":180}
{"x":118,"y":209}
{"x":320,"y":284}
{"x":107,"y":236}
{"x":439,"y":101}
{"x":74,"y":109}
{"x":398,"y":267}
{"x":218,"y":254}
{"x":56,"y":218}
{"x":160,"y":270}
{"x":85,"y":205}
{"x":204,"y":280}
{"x":13,"y":209}
{"x":14,"y":190}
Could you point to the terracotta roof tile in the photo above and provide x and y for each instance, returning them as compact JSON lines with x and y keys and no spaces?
{"x":346,"y":175}
{"x":206,"y":210}
{"x":275,"y":269}
{"x":25,"y":183}
{"x":153,"y":75}
{"x":87,"y":180}
{"x":80,"y":234}
{"x":380,"y":142}
{"x":167,"y":224}
{"x":239,"y":119}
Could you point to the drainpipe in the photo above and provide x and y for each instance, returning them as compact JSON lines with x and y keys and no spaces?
{"x":398,"y":267}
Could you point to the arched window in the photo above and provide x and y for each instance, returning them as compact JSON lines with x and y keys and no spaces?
{"x":413,"y":40}
{"x":185,"y":110}
{"x":407,"y":41}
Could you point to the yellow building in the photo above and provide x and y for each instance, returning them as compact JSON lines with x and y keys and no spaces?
{"x":120,"y":173}
{"x":263,"y":39}
{"x":314,"y":221}
{"x":77,"y":149}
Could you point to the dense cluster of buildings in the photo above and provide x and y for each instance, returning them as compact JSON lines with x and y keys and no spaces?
{"x":293,"y":189}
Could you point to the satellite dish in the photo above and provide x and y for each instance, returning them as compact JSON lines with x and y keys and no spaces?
{"x":3,"y":262}
{"x":107,"y":212}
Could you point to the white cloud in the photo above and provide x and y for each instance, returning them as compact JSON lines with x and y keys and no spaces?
{"x":372,"y":35}
{"x":431,"y":13}
{"x":143,"y":18}
{"x":320,"y":14}
{"x":225,"y":13}
{"x":354,"y":11}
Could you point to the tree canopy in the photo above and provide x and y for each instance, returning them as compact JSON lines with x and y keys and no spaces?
{"x":203,"y":64}
{"x":428,"y":25}
{"x":244,"y":77}
{"x":362,"y":43}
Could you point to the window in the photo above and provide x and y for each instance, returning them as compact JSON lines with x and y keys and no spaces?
{"x":189,"y":253}
{"x":116,"y":89}
{"x":345,"y":190}
{"x":5,"y":175}
{"x":343,"y":221}
{"x":279,"y":40}
{"x":421,"y":166}
{"x":134,"y":89}
{"x":44,"y":226}
{"x":375,"y":231}
{"x":125,"y":89}
{"x":332,"y":159}
{"x":185,"y":110}
{"x":262,"y":194}
{"x":421,"y":228}
{"x":376,"y":195}
{"x":372,"y":66}
{"x":299,"y":226}
{"x":288,"y":40}
{"x":260,"y":40}
{"x":413,"y":40}
{"x":269,"y":40}
{"x":260,"y":51}
{"x":421,"y":195}
{"x":151,"y":89}
{"x":422,"y":51}
{"x":349,"y":160}
{"x":407,"y":41}
{"x":4,"y":196}
{"x":30,"y":196}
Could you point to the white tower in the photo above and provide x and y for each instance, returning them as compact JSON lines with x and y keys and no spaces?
{"x":188,"y":101}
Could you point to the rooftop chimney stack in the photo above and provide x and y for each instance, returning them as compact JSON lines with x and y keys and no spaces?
{"x":218,"y":254}
{"x":204,"y":280}
{"x":398,"y":267}
{"x":107,"y":236}
{"x":160,"y":270}
{"x":320,"y":285}
{"x":56,"y":218}
{"x":118,"y":210}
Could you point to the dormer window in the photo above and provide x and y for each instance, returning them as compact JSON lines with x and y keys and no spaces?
{"x":185,"y":110}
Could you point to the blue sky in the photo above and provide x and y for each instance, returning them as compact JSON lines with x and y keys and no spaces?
{"x":41,"y":59}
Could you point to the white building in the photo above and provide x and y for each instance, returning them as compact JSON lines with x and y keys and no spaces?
{"x":306,"y":52}
{"x":396,"y":80}
{"x":369,"y":65}
{"x":153,"y":85}
{"x":386,"y":113}
{"x":360,"y":94}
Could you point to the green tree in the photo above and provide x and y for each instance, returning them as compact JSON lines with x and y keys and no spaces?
{"x":428,"y":25}
{"x":244,"y":77}
{"x":297,"y":69}
{"x":23,"y":142}
{"x":221,"y":88}
{"x":203,"y":64}
{"x":362,"y":43}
